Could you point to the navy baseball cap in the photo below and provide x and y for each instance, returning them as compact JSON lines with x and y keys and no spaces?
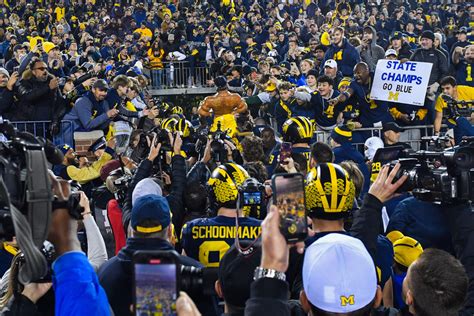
{"x":150,"y":214}
{"x":64,"y":148}
{"x":100,"y":143}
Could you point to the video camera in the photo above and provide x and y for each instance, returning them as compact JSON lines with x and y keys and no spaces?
{"x":26,"y":198}
{"x":457,"y":108}
{"x":440,"y":177}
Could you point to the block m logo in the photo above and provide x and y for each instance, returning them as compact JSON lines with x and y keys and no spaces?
{"x":347,"y":300}
{"x":393,"y":95}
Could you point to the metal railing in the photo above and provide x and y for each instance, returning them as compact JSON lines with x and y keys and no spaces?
{"x":180,"y":74}
{"x":42,"y":129}
{"x":411,"y":135}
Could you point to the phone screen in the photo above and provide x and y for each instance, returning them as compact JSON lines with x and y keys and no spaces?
{"x":155,"y":288}
{"x":252,"y":198}
{"x":288,"y":190}
{"x":285,"y":152}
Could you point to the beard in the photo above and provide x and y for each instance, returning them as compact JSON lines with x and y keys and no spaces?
{"x":73,"y":162}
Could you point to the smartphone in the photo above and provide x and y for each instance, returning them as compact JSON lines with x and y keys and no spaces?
{"x":156,"y":282}
{"x":16,"y":68}
{"x":289,"y":197}
{"x":285,"y":152}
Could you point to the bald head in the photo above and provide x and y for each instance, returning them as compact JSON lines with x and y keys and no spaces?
{"x":361,"y":73}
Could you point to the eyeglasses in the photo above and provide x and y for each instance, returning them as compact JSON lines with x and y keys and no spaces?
{"x":40,"y":68}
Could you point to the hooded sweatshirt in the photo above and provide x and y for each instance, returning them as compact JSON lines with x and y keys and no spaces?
{"x":373,"y":52}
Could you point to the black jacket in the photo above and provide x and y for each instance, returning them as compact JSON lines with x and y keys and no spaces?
{"x":116,"y":275}
{"x":6,"y":100}
{"x":437,"y":58}
{"x":175,"y":198}
{"x":36,"y":99}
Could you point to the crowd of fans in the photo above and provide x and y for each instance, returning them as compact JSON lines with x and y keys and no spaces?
{"x":170,"y":177}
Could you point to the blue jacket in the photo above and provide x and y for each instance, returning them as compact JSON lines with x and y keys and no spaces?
{"x":346,"y":57}
{"x":88,"y":114}
{"x":77,"y":289}
{"x":423,"y":221}
{"x":347,"y":152}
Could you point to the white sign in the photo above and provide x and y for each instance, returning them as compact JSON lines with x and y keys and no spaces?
{"x":401,"y":82}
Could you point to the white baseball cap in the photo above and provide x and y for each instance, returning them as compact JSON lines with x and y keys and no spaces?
{"x":339,"y":275}
{"x":390,"y":52}
{"x":331,"y":63}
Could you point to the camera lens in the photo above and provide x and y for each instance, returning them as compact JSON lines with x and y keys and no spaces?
{"x":464,"y":158}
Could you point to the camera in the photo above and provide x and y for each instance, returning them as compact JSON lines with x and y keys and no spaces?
{"x":252,"y":198}
{"x":218,"y":150}
{"x":440,"y":177}
{"x":457,"y":108}
{"x":198,"y":280}
{"x":121,"y":184}
{"x":26,"y":199}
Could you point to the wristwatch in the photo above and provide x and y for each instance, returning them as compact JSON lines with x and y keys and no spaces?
{"x":268,"y":273}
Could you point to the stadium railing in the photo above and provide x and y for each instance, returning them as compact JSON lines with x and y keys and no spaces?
{"x":180,"y":74}
{"x":42,"y":129}
{"x":411,"y":135}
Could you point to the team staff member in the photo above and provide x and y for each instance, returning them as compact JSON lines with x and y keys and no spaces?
{"x":450,"y":88}
{"x":208,"y":239}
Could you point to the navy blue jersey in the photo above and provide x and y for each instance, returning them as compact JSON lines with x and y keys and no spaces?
{"x":464,"y":73}
{"x":325,"y":114}
{"x":371,"y":111}
{"x":208,"y":239}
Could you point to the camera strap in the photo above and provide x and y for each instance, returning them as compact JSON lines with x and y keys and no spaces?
{"x":249,"y":250}
{"x":38,"y":195}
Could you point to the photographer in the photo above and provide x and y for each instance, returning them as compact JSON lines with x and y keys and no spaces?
{"x":456,"y":92}
{"x":151,"y":229}
{"x":96,"y":251}
{"x":73,"y":273}
{"x":178,"y":177}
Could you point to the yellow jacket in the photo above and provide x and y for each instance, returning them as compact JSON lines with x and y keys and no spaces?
{"x":156,"y":62}
{"x":86,"y":174}
{"x":465,"y":93}
{"x":146,"y":32}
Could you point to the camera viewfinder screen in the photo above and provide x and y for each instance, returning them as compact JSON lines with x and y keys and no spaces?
{"x":155,"y":289}
{"x":291,"y":204}
{"x":252,"y":198}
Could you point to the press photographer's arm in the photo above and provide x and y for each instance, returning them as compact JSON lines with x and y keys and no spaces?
{"x":77,"y":289}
